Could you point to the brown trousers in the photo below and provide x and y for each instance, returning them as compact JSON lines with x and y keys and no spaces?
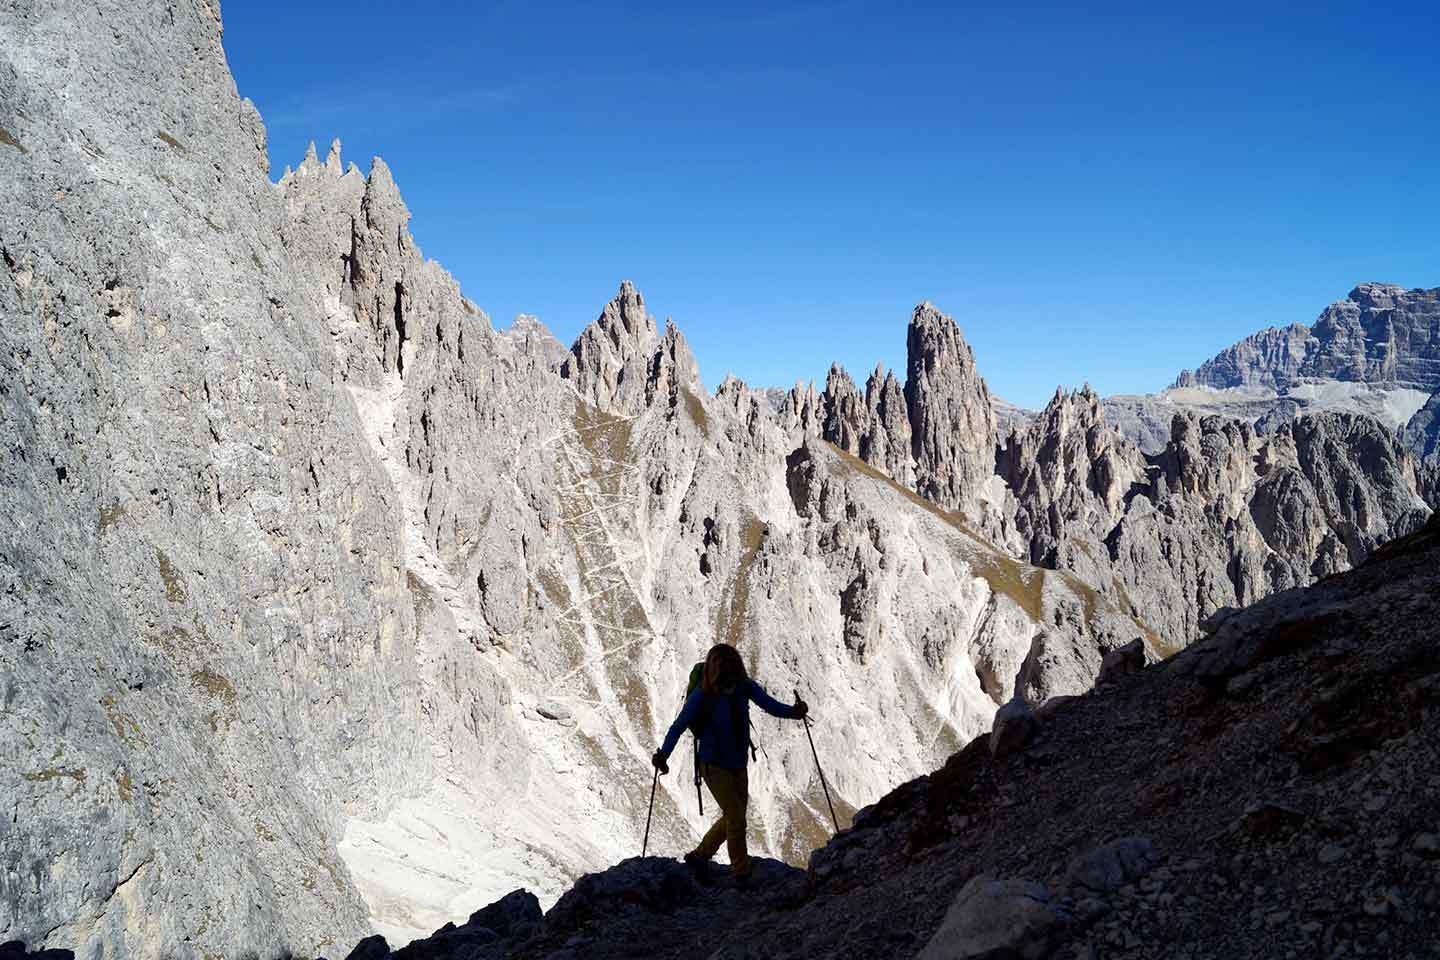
{"x":731,"y":790}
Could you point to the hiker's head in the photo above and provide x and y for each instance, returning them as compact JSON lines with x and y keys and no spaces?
{"x":723,"y":669}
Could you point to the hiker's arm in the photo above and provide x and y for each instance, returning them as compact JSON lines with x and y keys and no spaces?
{"x":687,"y":713}
{"x":770,"y":705}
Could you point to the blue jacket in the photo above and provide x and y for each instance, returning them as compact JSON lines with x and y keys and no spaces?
{"x":718,"y":744}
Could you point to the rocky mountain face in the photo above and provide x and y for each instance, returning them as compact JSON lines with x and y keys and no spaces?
{"x":328,"y":606}
{"x":1264,"y":793}
{"x":1379,"y":333}
{"x":1220,"y":515}
{"x":1377,"y":353}
{"x":933,"y":433}
{"x":1223,"y":516}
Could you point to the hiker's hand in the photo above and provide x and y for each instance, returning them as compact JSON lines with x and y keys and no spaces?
{"x":802,"y":709}
{"x":658,"y":761}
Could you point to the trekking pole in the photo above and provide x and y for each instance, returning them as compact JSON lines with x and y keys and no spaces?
{"x":806,"y":719}
{"x":645,"y":846}
{"x":758,"y":741}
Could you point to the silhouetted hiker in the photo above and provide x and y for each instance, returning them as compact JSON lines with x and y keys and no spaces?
{"x":718,"y":711}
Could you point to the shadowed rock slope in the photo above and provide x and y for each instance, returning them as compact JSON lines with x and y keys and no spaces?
{"x":1268,"y":792}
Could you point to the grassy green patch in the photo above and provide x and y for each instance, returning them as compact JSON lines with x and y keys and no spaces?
{"x":554,"y":587}
{"x":174,"y":584}
{"x":110,"y":516}
{"x":126,"y":729}
{"x":809,"y":824}
{"x":216,"y":685}
{"x":697,"y":411}
{"x":54,"y":773}
{"x":418,"y":589}
{"x":734,"y":608}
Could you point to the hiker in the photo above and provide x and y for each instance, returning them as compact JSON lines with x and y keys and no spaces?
{"x":718,"y":711}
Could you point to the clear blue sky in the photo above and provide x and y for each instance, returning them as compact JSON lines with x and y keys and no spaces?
{"x":1107,"y":194}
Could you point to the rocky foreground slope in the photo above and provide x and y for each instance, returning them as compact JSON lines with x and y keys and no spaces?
{"x":1266,"y":793}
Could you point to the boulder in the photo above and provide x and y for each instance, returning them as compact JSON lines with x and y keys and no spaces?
{"x":993,"y":919}
{"x":1015,"y":726}
{"x":1112,"y":865}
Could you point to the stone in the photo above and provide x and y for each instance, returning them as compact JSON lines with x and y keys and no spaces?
{"x":1266,"y":818}
{"x":372,"y":947}
{"x":1122,"y":662}
{"x":1015,"y":726}
{"x":992,"y":918}
{"x":509,"y":916}
{"x":1111,"y":866}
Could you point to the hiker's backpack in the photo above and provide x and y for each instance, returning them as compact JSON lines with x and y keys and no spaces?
{"x":702,"y":720}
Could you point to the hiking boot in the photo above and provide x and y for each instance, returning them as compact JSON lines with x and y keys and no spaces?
{"x":697,"y":864}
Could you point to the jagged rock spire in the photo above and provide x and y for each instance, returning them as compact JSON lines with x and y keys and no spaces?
{"x":951,"y":418}
{"x":621,"y":361}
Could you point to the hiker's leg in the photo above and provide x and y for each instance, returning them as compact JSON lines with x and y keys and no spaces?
{"x":728,"y":787}
{"x":710,"y":843}
{"x":735,"y":824}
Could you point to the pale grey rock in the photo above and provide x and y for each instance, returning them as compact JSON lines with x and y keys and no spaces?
{"x":201,"y":559}
{"x":1009,"y":417}
{"x":302,"y":552}
{"x":1379,"y":333}
{"x":887,"y":447}
{"x":1376,"y":353}
{"x":532,"y":337}
{"x":846,"y":417}
{"x":1271,"y":358}
{"x":1223,"y":516}
{"x":326,"y":556}
{"x":1015,"y":726}
{"x":952,"y":421}
{"x":621,"y":362}
{"x":993,"y":918}
{"x":876,"y":428}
